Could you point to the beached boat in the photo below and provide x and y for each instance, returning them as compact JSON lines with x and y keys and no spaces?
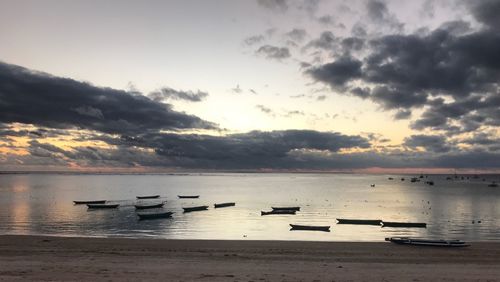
{"x":404,"y":224}
{"x":223,"y":205}
{"x":197,"y":208}
{"x":188,"y":196}
{"x":149,"y":206}
{"x":148,"y":197}
{"x":154,"y":215}
{"x":102,"y":206}
{"x":278,"y":212}
{"x":286,"y":208}
{"x":89,"y":202}
{"x":427,"y":242}
{"x":310,"y":227}
{"x":359,"y":221}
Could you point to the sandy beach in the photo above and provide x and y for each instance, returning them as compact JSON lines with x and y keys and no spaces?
{"x":43,"y":258}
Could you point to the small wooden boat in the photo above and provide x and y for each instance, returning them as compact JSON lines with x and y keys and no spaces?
{"x":310,"y":227}
{"x":223,"y":205}
{"x":286,"y":208}
{"x":192,"y":209}
{"x":102,"y":206}
{"x":149,"y":206}
{"x":427,"y":242}
{"x":404,"y":224}
{"x":188,"y":196}
{"x":148,"y":197}
{"x":154,"y":215}
{"x":89,"y":202}
{"x":359,"y":221}
{"x":278,"y":212}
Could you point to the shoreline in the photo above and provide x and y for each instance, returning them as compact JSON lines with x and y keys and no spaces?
{"x":27,"y":257}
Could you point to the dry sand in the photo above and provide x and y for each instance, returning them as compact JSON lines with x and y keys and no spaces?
{"x":98,"y":259}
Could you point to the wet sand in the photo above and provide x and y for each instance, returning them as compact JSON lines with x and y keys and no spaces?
{"x":104,"y":259}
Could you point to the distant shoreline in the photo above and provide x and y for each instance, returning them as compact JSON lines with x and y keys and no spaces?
{"x":61,"y":258}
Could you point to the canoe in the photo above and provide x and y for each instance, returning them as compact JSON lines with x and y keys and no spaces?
{"x":404,"y":224}
{"x":148,"y":197}
{"x":278,"y":212}
{"x":359,"y":221}
{"x":89,"y":202}
{"x":286,"y":208}
{"x":223,"y":205}
{"x":154,"y":215}
{"x":150,"y":206}
{"x":198,"y":208}
{"x":310,"y":227}
{"x":427,"y":242}
{"x":188,"y":197}
{"x":102,"y":206}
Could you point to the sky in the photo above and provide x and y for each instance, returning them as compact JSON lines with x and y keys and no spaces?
{"x":257,"y":85}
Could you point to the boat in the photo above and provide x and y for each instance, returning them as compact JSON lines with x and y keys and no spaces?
{"x":429,"y":182}
{"x":414,"y":179}
{"x":372,"y":185}
{"x":427,"y":242}
{"x":148,"y":197}
{"x":154,"y":215}
{"x":102,"y":206}
{"x":89,"y":202}
{"x":404,"y":224}
{"x":278,"y":212}
{"x":390,"y":178}
{"x":310,"y":227}
{"x":223,"y":205}
{"x":286,"y":208}
{"x":359,"y":221}
{"x":188,"y":196}
{"x":149,"y":206}
{"x":493,"y":184}
{"x":197,"y":208}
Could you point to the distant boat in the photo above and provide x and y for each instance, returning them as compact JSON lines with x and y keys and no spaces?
{"x":149,"y":206}
{"x":493,"y":184}
{"x":223,"y":205}
{"x":404,"y":224}
{"x":427,"y":242}
{"x":390,"y":178}
{"x":102,"y":206}
{"x":310,"y":227}
{"x":403,"y":179}
{"x":197,"y":208}
{"x":372,"y":185}
{"x":430,"y":182}
{"x":359,"y":221}
{"x":154,"y":215}
{"x":189,"y":196}
{"x":148,"y":197}
{"x":286,"y":208}
{"x":414,"y":179}
{"x":278,"y":212}
{"x":89,"y":202}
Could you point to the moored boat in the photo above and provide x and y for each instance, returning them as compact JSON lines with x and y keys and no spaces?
{"x":148,"y":206}
{"x":310,"y":227}
{"x":148,"y":197}
{"x":188,"y":196}
{"x":278,"y":212}
{"x":427,"y":242}
{"x":223,"y":205}
{"x":404,"y":224}
{"x":493,"y":184}
{"x":89,"y":202}
{"x":359,"y":221}
{"x":154,"y":215}
{"x":197,"y":208}
{"x":286,"y":208}
{"x":102,"y":206}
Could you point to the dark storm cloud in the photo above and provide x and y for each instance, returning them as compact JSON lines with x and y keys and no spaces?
{"x":337,"y":73}
{"x":37,"y":98}
{"x":274,"y":5}
{"x":378,"y":12}
{"x":273,"y":52}
{"x":167,"y":93}
{"x":432,"y":143}
{"x":486,"y":12}
{"x":402,"y":114}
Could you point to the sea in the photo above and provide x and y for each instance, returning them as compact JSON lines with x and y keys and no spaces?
{"x":463,"y":207}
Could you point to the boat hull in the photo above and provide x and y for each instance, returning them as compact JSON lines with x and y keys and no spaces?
{"x":285,"y":208}
{"x":223,"y":205}
{"x":143,"y":216}
{"x":192,"y":209}
{"x":89,"y":202}
{"x":148,"y":197}
{"x":188,"y":197}
{"x":404,"y":224}
{"x":310,"y":228}
{"x":426,"y":242}
{"x":144,"y":207}
{"x":275,"y":212}
{"x":102,"y":206}
{"x":359,"y":221}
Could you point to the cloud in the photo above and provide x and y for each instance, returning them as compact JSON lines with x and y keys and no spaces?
{"x":273,"y":52}
{"x":237,"y":89}
{"x":297,"y":34}
{"x":378,"y":12}
{"x":265,"y":110}
{"x":326,"y":41}
{"x":167,"y":93}
{"x":30,"y":97}
{"x":432,"y":143}
{"x":337,"y":73}
{"x":274,"y":5}
{"x":252,"y":40}
{"x":486,"y":12}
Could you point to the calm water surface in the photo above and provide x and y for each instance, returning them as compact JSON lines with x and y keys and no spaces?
{"x":42,"y":204}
